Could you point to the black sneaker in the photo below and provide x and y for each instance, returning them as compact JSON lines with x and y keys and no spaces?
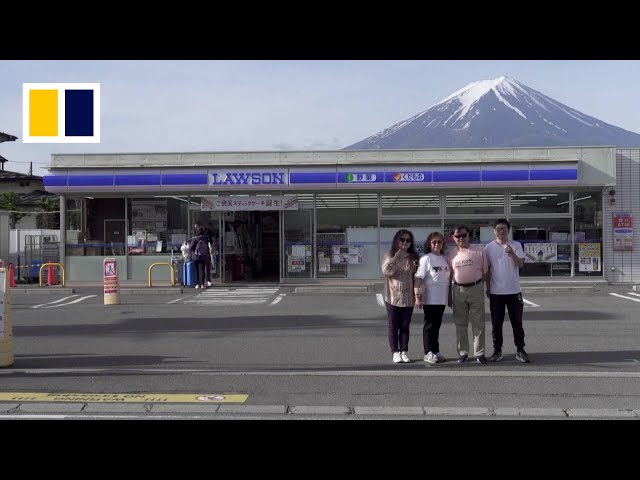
{"x":481,"y":359}
{"x":463,"y":358}
{"x":496,"y":357}
{"x":522,"y":356}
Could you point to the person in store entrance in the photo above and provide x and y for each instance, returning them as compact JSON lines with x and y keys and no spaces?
{"x":199,"y":253}
{"x":431,"y":290}
{"x":398,"y":267}
{"x":211,"y":238}
{"x":468,"y":270}
{"x":505,"y":258}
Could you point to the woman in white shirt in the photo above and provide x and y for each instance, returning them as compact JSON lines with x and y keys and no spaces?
{"x":431,"y":289}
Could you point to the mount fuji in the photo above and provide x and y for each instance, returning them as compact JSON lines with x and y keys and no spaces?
{"x":498,"y":113}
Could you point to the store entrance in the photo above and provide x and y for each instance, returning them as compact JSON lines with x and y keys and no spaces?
{"x":251,"y":246}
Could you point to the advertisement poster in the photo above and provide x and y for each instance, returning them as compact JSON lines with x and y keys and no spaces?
{"x":589,"y":257}
{"x":324,"y":263}
{"x":347,"y":254}
{"x":540,"y":252}
{"x":622,"y":231}
{"x":295,"y":264}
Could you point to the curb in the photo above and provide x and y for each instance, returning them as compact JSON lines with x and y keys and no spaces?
{"x":16,"y":409}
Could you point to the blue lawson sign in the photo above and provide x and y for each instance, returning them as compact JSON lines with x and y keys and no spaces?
{"x":124,"y":180}
{"x":249,"y":178}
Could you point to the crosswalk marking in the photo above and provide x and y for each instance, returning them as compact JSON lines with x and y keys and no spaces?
{"x":234,"y":296}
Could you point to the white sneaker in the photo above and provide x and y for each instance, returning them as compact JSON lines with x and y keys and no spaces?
{"x":208,"y":284}
{"x":396,"y":357}
{"x":431,"y":358}
{"x":197,"y":286}
{"x":405,"y":357}
{"x":440,"y":357}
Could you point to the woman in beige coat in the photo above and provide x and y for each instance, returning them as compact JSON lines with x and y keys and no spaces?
{"x":398,"y":267}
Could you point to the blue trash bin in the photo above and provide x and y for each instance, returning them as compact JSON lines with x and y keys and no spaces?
{"x":188,"y":274}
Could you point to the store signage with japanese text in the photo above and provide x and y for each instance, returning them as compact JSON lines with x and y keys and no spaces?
{"x":622,"y":231}
{"x":248,"y":203}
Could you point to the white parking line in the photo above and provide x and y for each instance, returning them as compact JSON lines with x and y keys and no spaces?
{"x":380,"y":299}
{"x":71,"y":303}
{"x":278,"y":298}
{"x":635,"y":294}
{"x":55,"y":301}
{"x":176,"y":301}
{"x":531,"y":304}
{"x":628,"y":298}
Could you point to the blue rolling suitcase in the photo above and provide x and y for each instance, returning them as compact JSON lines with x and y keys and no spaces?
{"x":188,"y":274}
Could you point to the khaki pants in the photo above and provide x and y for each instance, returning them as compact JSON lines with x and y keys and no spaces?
{"x":468,"y":305}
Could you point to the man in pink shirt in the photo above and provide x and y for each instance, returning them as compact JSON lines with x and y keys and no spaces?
{"x":468,"y":270}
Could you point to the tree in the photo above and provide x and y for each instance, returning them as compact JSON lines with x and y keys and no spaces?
{"x":51,"y":219}
{"x":11,"y":202}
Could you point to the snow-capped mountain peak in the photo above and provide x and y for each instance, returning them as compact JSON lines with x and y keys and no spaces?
{"x":501,"y":112}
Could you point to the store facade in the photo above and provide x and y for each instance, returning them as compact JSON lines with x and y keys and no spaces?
{"x":315,"y":215}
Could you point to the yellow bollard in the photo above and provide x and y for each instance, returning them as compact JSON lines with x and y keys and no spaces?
{"x":111,"y":286}
{"x":6,"y":328}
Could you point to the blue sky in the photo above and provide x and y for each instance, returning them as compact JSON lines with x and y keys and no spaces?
{"x":189,"y":106}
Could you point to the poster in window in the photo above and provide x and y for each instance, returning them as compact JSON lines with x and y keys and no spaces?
{"x":589,"y":259}
{"x":347,"y":254}
{"x":540,"y":252}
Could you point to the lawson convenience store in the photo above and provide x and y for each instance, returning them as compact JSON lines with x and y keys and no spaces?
{"x":298,"y":216}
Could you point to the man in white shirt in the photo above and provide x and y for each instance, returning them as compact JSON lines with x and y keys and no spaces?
{"x":505,"y":257}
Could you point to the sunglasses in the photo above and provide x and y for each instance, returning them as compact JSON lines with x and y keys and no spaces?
{"x":405,"y":240}
{"x":463,"y":235}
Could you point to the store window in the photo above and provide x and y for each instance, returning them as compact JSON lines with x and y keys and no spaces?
{"x":347,"y":235}
{"x":157,"y":225}
{"x":95,"y":227}
{"x":547,"y":246}
{"x":75,"y":226}
{"x":410,"y":205}
{"x":587,"y":210}
{"x":539,"y":202}
{"x":474,"y":204}
{"x":480,"y":230}
{"x":298,"y":238}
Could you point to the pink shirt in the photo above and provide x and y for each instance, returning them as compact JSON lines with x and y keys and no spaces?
{"x":468,"y":265}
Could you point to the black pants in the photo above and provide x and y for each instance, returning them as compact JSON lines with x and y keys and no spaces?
{"x":399,"y":321}
{"x":431,"y":328}
{"x":198,"y":267}
{"x":207,"y":269}
{"x":515,"y":307}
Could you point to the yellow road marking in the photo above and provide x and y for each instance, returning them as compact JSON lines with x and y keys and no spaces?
{"x":123,"y":397}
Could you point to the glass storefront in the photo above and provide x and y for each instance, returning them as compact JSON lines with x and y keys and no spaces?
{"x":332,"y":235}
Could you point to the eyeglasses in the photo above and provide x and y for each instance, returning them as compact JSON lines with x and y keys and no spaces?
{"x":436,"y":241}
{"x":405,"y":240}
{"x":462,"y":235}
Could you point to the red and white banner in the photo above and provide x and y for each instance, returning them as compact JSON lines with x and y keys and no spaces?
{"x":622,"y":231}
